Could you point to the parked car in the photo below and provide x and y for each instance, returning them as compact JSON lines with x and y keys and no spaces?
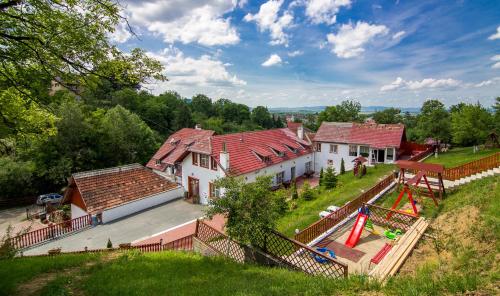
{"x":50,"y":198}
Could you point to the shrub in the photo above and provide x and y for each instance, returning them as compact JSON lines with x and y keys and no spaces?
{"x":307,"y":191}
{"x":295,"y":194}
{"x":342,"y":166}
{"x":329,"y":178}
{"x":109,"y":244}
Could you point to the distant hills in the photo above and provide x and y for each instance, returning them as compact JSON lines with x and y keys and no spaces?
{"x":314,"y":109}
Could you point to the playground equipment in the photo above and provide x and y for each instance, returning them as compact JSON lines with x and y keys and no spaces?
{"x":357,"y":229}
{"x":412,"y":184}
{"x":325,"y":252}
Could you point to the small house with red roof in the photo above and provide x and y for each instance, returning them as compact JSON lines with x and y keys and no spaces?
{"x":113,"y":193}
{"x":378,"y":143}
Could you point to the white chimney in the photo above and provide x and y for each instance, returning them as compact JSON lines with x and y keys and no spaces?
{"x":197,"y":126}
{"x":300,"y":132}
{"x":224,"y":157}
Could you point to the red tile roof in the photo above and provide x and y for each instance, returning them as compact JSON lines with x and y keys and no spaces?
{"x":374,"y":135}
{"x":242,"y":148}
{"x":177,"y":146}
{"x":109,"y":188}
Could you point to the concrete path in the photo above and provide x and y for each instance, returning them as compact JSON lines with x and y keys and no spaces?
{"x":126,"y":230}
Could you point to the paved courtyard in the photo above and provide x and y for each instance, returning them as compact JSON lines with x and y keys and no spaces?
{"x":128,"y":229}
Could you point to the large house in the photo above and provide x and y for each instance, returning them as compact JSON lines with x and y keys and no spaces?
{"x":378,"y":143}
{"x":198,"y":158}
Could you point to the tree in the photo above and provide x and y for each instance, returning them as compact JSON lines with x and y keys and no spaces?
{"x":250,"y":208}
{"x":262,"y":117}
{"x":434,"y":122}
{"x":16,"y":177}
{"x":329,"y":178}
{"x":293,"y":189}
{"x":321,"y":177}
{"x":347,"y":111}
{"x":389,"y":115}
{"x":471,"y":124}
{"x":125,"y":138}
{"x":307,"y":191}
{"x":496,"y":107}
{"x":410,"y":122}
{"x":202,"y":104}
{"x":342,"y":166}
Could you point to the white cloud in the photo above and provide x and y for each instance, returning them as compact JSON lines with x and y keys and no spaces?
{"x":349,"y":40}
{"x":324,"y":11}
{"x":496,"y":35}
{"x":121,"y":33}
{"x":488,"y":82}
{"x":204,"y":71}
{"x":295,"y":53}
{"x":267,"y":19}
{"x":187,"y":21}
{"x":496,"y":59}
{"x":428,"y":83}
{"x":273,"y":60}
{"x":496,"y":65}
{"x":398,"y":35}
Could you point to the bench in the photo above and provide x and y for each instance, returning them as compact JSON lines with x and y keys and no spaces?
{"x":381,"y":254}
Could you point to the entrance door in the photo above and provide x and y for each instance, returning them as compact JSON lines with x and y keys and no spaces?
{"x":194,"y":187}
{"x":292,"y":173}
{"x":381,"y":155}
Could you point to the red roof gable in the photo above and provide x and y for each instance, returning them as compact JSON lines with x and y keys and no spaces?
{"x":374,"y":135}
{"x":243,"y":146}
{"x":177,"y":146}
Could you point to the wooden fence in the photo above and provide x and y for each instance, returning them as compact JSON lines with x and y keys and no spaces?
{"x":391,"y":218}
{"x":288,"y":252}
{"x":319,"y":227}
{"x":50,"y":232}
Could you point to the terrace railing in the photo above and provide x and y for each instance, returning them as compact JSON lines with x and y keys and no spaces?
{"x":288,"y":252}
{"x":316,"y":229}
{"x":51,"y":232}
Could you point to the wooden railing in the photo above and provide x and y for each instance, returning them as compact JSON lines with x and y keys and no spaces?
{"x":422,"y":154}
{"x":473,"y":167}
{"x":53,"y":231}
{"x":319,"y":227}
{"x":391,"y":218}
{"x":289,"y":252}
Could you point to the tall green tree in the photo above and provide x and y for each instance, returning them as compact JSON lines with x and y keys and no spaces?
{"x":471,"y":124}
{"x":262,"y":117}
{"x":347,"y":111}
{"x":202,"y":104}
{"x":249,"y":207}
{"x":434,"y":122}
{"x":389,"y":115}
{"x":329,"y":178}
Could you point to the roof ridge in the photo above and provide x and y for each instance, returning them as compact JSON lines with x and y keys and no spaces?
{"x":99,"y":172}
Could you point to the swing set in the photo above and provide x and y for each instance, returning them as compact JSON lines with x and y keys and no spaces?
{"x":412,"y":185}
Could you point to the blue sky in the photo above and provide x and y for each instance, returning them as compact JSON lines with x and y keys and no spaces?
{"x":320,"y":52}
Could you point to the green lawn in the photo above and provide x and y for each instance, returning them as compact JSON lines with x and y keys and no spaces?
{"x":458,"y":156}
{"x":349,"y":187}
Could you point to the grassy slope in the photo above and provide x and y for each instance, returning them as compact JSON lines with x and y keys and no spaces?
{"x":349,"y":187}
{"x":458,"y":156}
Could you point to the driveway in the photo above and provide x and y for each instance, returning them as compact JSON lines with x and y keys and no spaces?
{"x":11,"y":217}
{"x":128,"y":229}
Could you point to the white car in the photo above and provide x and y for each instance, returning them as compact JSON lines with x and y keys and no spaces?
{"x":323,"y":214}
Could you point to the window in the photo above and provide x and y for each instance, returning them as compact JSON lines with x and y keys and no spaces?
{"x":214,"y":190}
{"x":364,"y":151}
{"x":158,"y":162}
{"x":318,"y":147}
{"x":195,"y":158}
{"x":390,"y":154}
{"x":330,"y":162}
{"x":334,"y":148}
{"x":353,"y":150}
{"x":214,"y":164}
{"x":204,"y":160}
{"x":280,"y":177}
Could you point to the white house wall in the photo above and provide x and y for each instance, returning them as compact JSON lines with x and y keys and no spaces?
{"x":77,"y":212}
{"x":204,"y":175}
{"x":142,"y":204}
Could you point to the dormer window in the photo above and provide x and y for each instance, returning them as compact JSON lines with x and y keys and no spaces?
{"x":158,"y":162}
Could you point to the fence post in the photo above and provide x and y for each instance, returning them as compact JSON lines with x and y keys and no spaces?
{"x":197,"y":226}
